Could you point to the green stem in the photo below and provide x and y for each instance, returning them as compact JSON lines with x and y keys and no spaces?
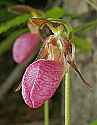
{"x":92,"y":3}
{"x":67,"y":99}
{"x":46,"y":113}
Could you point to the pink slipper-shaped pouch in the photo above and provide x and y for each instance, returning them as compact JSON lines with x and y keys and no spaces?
{"x":24,"y":46}
{"x":40,"y":81}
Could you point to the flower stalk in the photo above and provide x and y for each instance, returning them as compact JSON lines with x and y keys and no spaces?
{"x":46,"y":113}
{"x":67,"y":99}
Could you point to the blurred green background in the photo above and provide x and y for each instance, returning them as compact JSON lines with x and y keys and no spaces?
{"x":82,"y":15}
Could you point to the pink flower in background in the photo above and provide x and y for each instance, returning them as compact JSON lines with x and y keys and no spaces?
{"x":24,"y":46}
{"x":40,"y":81}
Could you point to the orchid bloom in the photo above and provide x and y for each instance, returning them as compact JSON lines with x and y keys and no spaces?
{"x":24,"y":46}
{"x":42,"y":78}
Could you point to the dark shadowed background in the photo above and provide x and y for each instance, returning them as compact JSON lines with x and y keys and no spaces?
{"x":13,"y":111}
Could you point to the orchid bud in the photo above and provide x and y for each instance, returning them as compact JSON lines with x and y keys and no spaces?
{"x":40,"y":81}
{"x":24,"y":46}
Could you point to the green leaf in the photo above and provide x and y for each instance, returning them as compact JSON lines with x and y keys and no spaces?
{"x":7,"y":43}
{"x":8,"y":16}
{"x":55,"y":13}
{"x":94,"y":123}
{"x":83,"y":44}
{"x":4,"y":27}
{"x":85,"y":27}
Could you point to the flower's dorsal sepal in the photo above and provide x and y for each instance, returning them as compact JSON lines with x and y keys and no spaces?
{"x":58,"y":27}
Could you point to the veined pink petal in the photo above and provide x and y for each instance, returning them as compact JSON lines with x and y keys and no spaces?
{"x":24,"y":46}
{"x":40,"y":81}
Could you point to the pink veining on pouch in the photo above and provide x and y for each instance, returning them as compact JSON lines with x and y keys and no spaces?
{"x":40,"y":81}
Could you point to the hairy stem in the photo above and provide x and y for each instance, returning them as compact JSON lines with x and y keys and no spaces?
{"x":67,"y":99}
{"x":46,"y":113}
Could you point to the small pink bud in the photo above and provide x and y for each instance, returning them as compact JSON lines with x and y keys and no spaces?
{"x":24,"y":46}
{"x":40,"y":81}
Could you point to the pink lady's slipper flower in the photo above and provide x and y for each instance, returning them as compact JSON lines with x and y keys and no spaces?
{"x":42,"y":78}
{"x":24,"y":46}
